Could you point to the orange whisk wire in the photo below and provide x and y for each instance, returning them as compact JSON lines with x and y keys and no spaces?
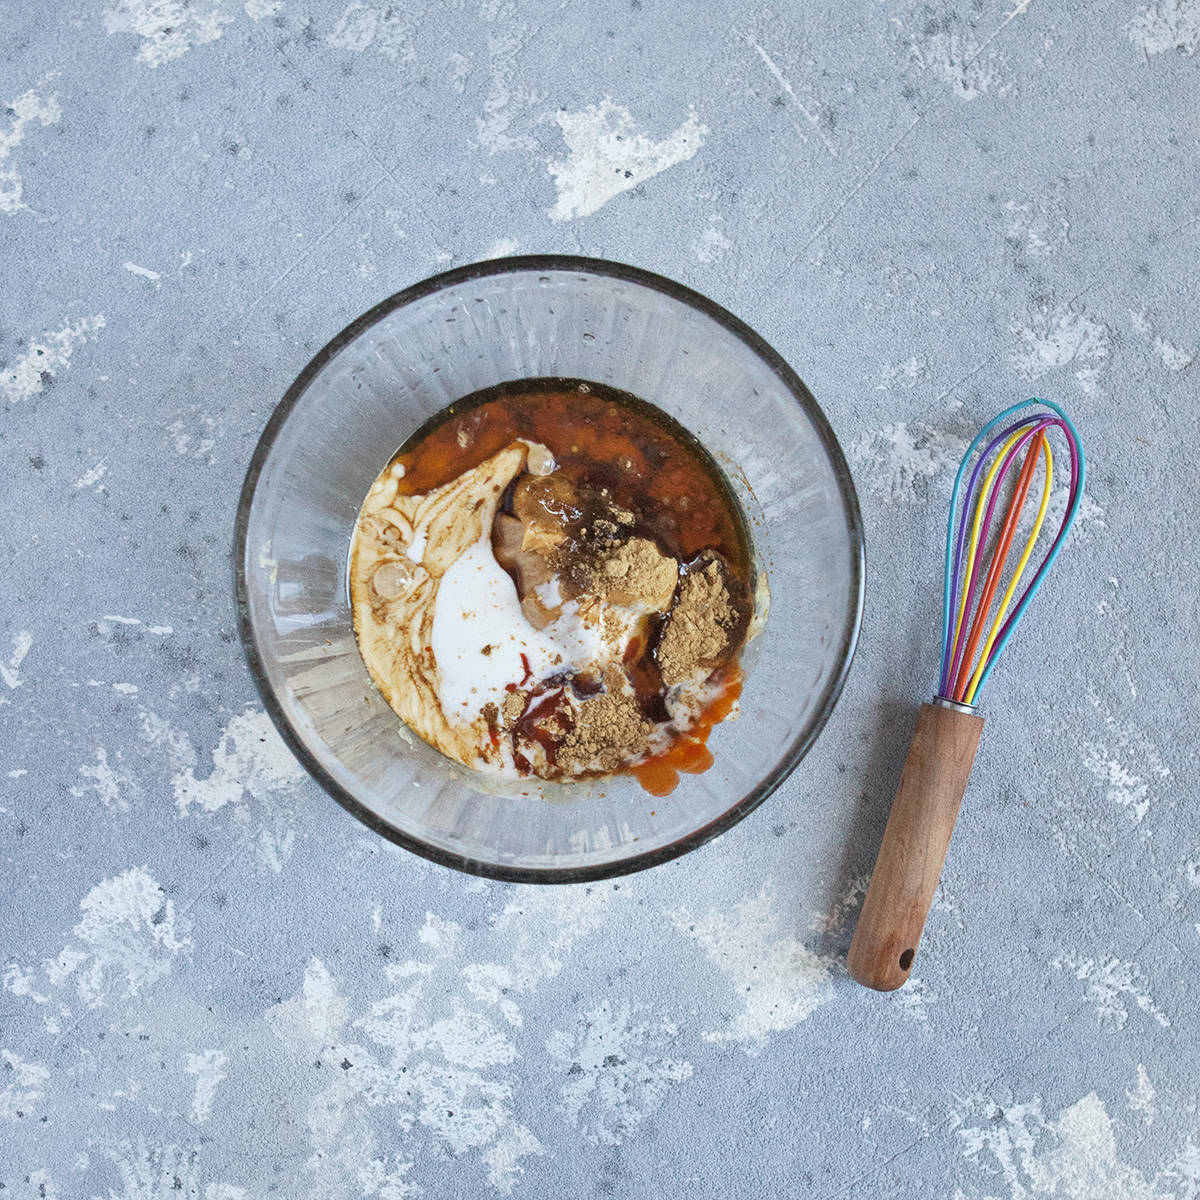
{"x":1003,"y":546}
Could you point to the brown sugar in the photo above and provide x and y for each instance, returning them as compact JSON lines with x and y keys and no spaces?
{"x":609,"y":730}
{"x":636,"y":572}
{"x":701,"y":626}
{"x":514,"y":706}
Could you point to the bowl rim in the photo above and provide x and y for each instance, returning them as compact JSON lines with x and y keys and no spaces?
{"x":791,"y":381}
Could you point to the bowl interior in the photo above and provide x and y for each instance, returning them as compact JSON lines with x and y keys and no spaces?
{"x":366,"y":392}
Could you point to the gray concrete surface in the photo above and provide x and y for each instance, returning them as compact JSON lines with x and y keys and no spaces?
{"x":216,"y":984}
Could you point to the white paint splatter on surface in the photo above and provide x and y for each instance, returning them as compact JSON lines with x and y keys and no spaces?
{"x":502,"y":248}
{"x":543,"y":928}
{"x":193,"y":444}
{"x":1037,"y":229}
{"x":906,"y":374}
{"x":157,"y":731}
{"x":1126,"y":762}
{"x":251,"y":766}
{"x":899,"y":461}
{"x":1186,"y":1170}
{"x":1112,"y":985}
{"x":168,"y":28}
{"x":1139,"y":318}
{"x":105,"y":629}
{"x":24,"y":1085}
{"x":160,"y":1172}
{"x":46,"y":355}
{"x":27,"y":108}
{"x":1073,"y":1157}
{"x":127,"y":939}
{"x":505,"y":102}
{"x":109,"y":785}
{"x":1173,"y":357}
{"x":458,"y":71}
{"x":713,"y":245}
{"x":21,"y":981}
{"x":1167,"y":25}
{"x":250,"y":757}
{"x":912,"y":1000}
{"x":608,"y":155}
{"x":441,"y":1075}
{"x":1054,"y":336}
{"x":778,"y":981}
{"x":1141,"y":1097}
{"x":1129,"y":790}
{"x":92,"y":476}
{"x":10,"y":671}
{"x":386,"y":28}
{"x":43,"y":1182}
{"x":435,"y":1055}
{"x":210,"y":1069}
{"x":618,"y":1073}
{"x":313,"y":1019}
{"x":963,"y":63}
{"x":143,"y":272}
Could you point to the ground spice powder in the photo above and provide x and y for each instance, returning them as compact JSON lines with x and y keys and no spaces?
{"x":609,"y":730}
{"x":701,"y":625}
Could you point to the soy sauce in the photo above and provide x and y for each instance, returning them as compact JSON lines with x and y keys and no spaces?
{"x":601,"y":438}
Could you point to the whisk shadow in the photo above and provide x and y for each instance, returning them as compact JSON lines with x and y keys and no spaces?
{"x":887,"y":744}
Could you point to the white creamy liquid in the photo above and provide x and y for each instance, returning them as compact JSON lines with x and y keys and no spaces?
{"x":477,"y":609}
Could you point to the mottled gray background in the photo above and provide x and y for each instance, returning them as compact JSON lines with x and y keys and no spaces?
{"x":218,"y":985}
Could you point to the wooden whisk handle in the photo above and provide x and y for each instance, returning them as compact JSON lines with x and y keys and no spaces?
{"x":914,"y":846}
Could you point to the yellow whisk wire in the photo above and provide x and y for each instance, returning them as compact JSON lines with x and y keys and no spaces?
{"x":974,"y":544}
{"x":993,"y":633}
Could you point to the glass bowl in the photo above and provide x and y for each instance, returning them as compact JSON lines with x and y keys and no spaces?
{"x":507,"y":319}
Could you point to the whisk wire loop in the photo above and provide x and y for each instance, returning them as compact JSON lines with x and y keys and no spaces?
{"x":1035,"y":440}
{"x":1048,"y":457}
{"x":960,"y":637}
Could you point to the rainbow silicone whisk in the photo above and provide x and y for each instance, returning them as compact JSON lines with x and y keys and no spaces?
{"x":976,"y":628}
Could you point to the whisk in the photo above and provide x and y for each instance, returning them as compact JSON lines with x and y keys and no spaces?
{"x":975,"y":632}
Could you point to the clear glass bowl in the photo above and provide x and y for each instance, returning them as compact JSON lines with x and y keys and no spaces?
{"x":409,"y":357}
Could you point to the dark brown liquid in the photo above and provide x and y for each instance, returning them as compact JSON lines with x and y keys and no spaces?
{"x":614,"y":451}
{"x":600,"y":438}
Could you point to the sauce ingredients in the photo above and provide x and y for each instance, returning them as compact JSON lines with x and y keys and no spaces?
{"x":553,"y":578}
